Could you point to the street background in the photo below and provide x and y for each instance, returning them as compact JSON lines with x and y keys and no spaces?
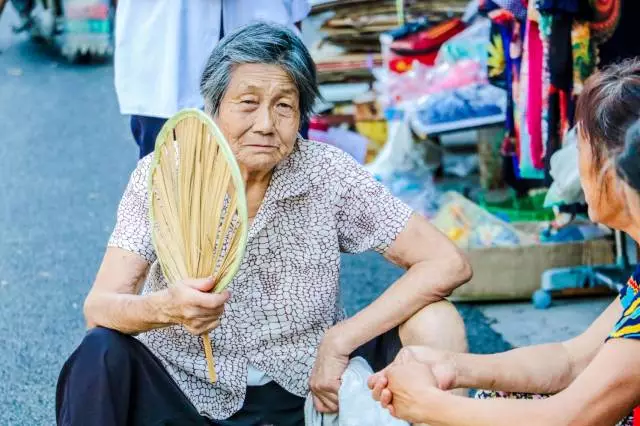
{"x":65,"y":157}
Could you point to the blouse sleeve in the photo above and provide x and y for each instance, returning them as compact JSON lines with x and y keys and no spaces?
{"x":133,"y":229}
{"x":628,"y":326}
{"x":368,"y":216}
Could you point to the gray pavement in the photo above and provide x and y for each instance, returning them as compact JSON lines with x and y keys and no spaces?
{"x":64,"y":160}
{"x":65,"y":156}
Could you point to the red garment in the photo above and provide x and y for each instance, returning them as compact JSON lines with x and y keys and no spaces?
{"x":534,"y":93}
{"x":422,"y":46}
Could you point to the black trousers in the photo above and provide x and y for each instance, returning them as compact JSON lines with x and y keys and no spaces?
{"x":114,"y":380}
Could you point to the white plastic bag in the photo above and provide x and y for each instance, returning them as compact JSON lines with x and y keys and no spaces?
{"x":566,"y":187}
{"x":357,"y":406}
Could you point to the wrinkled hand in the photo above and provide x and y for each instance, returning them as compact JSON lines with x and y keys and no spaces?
{"x":413,"y":387}
{"x":326,"y":375}
{"x":439,"y":363}
{"x":191,"y":304}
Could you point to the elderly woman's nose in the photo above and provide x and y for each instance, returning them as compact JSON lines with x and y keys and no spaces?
{"x":264,"y":119}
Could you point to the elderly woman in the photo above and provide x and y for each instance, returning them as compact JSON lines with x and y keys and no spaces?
{"x":594,"y":376}
{"x":282,"y":333}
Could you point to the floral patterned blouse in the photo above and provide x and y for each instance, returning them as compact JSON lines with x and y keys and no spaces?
{"x":319,"y":203}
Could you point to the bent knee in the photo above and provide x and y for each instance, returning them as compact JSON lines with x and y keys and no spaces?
{"x":438,"y":325}
{"x":106,"y":343}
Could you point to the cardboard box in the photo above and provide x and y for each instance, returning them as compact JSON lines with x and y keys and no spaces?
{"x":514,"y":273}
{"x":507,"y":259}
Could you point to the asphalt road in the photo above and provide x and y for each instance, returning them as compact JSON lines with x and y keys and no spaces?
{"x":65,"y":156}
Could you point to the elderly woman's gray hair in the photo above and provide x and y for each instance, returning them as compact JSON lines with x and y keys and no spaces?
{"x":260,"y":43}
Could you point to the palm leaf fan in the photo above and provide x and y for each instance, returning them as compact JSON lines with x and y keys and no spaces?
{"x":198,"y":205}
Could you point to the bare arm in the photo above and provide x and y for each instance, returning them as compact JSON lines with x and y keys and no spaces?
{"x":114,"y":300}
{"x":435,"y":267}
{"x":606,"y":391}
{"x":544,"y":369}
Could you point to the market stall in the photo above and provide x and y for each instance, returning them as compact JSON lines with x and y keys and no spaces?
{"x":460,"y":109}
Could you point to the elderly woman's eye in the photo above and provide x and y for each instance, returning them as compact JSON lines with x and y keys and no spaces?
{"x":283,"y":105}
{"x":249,"y":102}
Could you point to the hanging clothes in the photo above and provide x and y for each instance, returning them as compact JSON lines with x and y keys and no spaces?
{"x":606,"y":14}
{"x":579,"y":9}
{"x":543,"y":60}
{"x":623,"y":43}
{"x":534,"y":94}
{"x":545,"y":36}
{"x":583,"y":55}
{"x":530,"y":99}
{"x":497,"y":55}
{"x":517,"y":7}
{"x":560,"y":53}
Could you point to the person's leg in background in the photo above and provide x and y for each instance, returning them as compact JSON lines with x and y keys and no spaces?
{"x":304,"y":130}
{"x":145,"y":131}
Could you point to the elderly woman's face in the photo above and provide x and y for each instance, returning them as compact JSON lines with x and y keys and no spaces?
{"x":601,"y":189}
{"x":260,"y":115}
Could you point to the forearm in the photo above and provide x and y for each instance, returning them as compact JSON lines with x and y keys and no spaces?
{"x":542,"y":369}
{"x":422,"y":284}
{"x":457,"y":411}
{"x":608,"y":389}
{"x":127,"y":313}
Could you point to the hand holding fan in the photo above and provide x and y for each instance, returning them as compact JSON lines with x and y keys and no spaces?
{"x":198,"y":205}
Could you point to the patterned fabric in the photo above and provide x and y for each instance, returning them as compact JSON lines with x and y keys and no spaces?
{"x":496,"y":62}
{"x":579,"y":9}
{"x":606,"y":14}
{"x":628,"y":326}
{"x":486,"y":394}
{"x":517,"y":7}
{"x":560,"y":69}
{"x":319,"y":203}
{"x":583,"y":55}
{"x":545,"y":35}
{"x":558,"y":6}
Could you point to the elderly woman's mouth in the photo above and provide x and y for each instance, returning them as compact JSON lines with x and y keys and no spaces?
{"x":262,"y":146}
